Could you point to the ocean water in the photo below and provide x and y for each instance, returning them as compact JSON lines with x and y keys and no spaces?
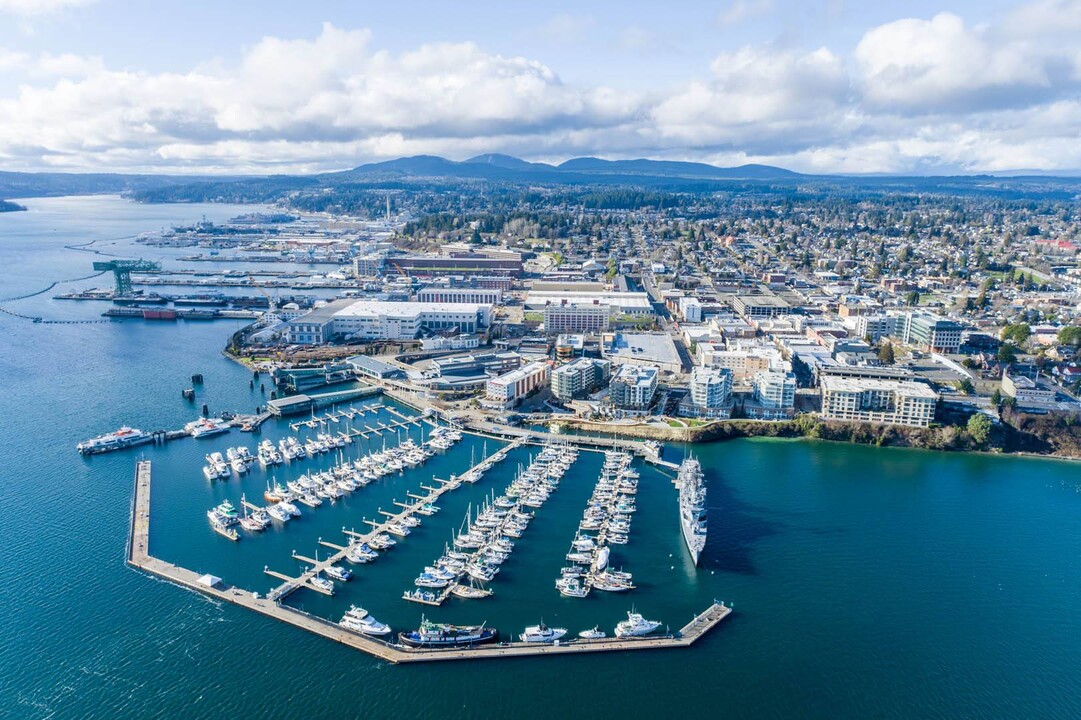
{"x":867,"y":582}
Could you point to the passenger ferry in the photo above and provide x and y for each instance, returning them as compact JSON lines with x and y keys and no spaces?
{"x":125,"y":437}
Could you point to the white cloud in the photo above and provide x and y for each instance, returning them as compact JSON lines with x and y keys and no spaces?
{"x":915,"y":95}
{"x":915,"y":65}
{"x":739,"y":11}
{"x":29,"y":8}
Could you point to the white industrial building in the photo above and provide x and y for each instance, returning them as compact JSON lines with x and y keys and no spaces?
{"x":480,"y":296}
{"x":382,"y":320}
{"x":619,"y":303}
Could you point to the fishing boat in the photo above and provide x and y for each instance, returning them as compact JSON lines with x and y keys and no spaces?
{"x":431,"y":634}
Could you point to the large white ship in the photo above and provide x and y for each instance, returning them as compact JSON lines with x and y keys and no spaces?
{"x":692,"y":506}
{"x":125,"y":437}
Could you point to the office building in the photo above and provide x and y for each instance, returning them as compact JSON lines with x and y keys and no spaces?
{"x":575,"y":318}
{"x":932,"y":333}
{"x":507,"y":390}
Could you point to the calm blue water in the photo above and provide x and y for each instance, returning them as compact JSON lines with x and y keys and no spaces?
{"x":867,"y":582}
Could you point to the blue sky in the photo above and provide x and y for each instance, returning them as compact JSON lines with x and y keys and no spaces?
{"x":831,"y":86}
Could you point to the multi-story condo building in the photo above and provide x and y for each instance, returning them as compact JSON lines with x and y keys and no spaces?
{"x":506,"y":390}
{"x":890,"y":402}
{"x":710,"y":393}
{"x":774,"y":395}
{"x":932,"y":333}
{"x":632,"y":389}
{"x":577,"y":378}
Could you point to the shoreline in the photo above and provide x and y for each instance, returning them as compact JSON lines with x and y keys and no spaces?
{"x":848,"y":433}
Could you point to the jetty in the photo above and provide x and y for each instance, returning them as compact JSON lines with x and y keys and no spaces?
{"x":139,"y":557}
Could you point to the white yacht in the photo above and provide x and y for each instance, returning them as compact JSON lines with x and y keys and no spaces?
{"x":635,"y":626}
{"x":594,"y":633}
{"x":358,"y":620}
{"x":542,"y":633}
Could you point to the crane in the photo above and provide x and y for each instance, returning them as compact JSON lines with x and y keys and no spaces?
{"x":272,"y":307}
{"x":122,"y":270}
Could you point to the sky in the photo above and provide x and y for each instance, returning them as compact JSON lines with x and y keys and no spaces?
{"x":823,"y":86}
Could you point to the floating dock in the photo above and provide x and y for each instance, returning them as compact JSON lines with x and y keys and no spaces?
{"x":138,"y":556}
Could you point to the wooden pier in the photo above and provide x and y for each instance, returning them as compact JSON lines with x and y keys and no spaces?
{"x":138,"y":556}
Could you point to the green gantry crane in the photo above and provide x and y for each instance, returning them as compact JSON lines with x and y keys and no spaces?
{"x":122,"y":270}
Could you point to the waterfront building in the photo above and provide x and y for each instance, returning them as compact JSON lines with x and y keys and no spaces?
{"x":632,"y":388}
{"x":491,"y":363}
{"x":370,"y":265}
{"x":890,"y":402}
{"x":1026,"y":391}
{"x":774,"y":395}
{"x":580,"y":377}
{"x":709,"y":395}
{"x":575,"y":318}
{"x":382,"y":320}
{"x":932,"y":333}
{"x":507,"y":390}
{"x":480,"y":296}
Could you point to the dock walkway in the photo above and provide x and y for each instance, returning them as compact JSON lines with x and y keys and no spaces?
{"x":291,"y":584}
{"x":139,"y":557}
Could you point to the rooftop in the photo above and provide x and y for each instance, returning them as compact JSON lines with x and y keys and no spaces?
{"x":912,"y":389}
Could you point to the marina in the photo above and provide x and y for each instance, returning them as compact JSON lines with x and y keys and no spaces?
{"x":138,"y":556}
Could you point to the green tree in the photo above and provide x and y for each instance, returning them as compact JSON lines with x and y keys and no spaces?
{"x":1070,"y":335}
{"x":1007,"y":353}
{"x":886,"y":354}
{"x":1017,"y":333}
{"x":979,"y":427}
{"x":965,"y":385}
{"x":996,"y":398}
{"x":913,"y":298}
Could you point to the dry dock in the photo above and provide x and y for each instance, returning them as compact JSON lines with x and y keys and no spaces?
{"x":139,"y":557}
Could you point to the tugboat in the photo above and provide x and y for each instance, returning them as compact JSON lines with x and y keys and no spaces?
{"x":444,"y":635}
